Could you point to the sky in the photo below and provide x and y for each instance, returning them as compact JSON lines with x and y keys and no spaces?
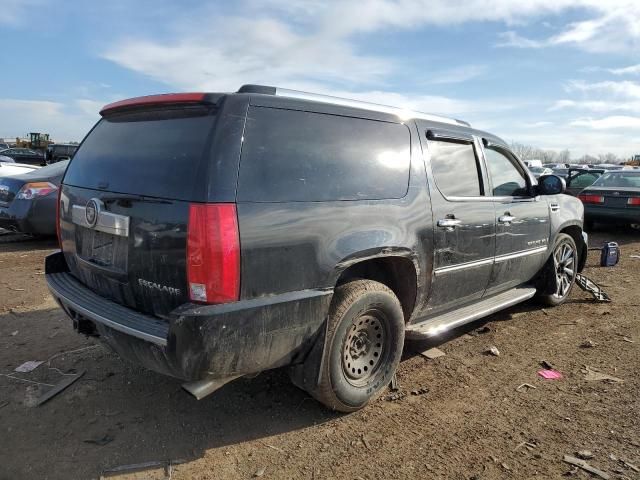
{"x":554,"y":74}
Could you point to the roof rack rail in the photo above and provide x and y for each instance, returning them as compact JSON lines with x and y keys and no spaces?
{"x":404,"y":114}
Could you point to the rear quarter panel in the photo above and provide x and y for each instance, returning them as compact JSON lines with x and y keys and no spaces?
{"x":304,"y":245}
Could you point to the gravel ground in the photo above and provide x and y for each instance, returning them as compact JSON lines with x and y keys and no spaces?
{"x":460,"y":416}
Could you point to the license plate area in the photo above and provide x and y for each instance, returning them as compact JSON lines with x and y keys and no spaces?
{"x":102,"y":249}
{"x":615,"y":201}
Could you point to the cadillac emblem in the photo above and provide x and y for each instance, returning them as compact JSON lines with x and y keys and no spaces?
{"x":91,"y":212}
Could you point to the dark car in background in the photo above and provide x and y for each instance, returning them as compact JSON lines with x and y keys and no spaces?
{"x":24,"y":155}
{"x":28,"y":200}
{"x":561,"y":172}
{"x":59,"y":151}
{"x":580,"y":178}
{"x":614,"y":198}
{"x":4,"y":146}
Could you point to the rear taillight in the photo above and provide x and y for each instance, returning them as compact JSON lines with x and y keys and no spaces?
{"x":213,"y":253}
{"x":29,"y":191}
{"x":634,"y":201}
{"x":588,"y":198}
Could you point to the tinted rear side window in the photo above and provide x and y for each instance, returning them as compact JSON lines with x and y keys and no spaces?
{"x":455,"y":169}
{"x":157,"y":153}
{"x":301,"y":156}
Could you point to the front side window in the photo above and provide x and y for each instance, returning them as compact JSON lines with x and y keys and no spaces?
{"x":455,"y":168}
{"x":506,"y":179}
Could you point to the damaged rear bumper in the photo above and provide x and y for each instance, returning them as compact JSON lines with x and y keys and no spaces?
{"x":197,"y":341}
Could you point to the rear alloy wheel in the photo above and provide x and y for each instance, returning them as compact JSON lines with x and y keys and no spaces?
{"x":364,"y":344}
{"x":560,"y":271}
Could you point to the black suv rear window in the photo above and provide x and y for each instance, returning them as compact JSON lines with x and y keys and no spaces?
{"x":291,"y":155}
{"x":157,"y":153}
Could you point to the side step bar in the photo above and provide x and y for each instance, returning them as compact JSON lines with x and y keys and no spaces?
{"x":439,"y":324}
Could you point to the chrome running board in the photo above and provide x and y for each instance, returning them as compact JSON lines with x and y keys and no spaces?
{"x":434,"y":326}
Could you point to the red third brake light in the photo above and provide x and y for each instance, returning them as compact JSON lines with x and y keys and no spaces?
{"x":213,"y":253}
{"x":589,"y":198}
{"x":154,"y":100}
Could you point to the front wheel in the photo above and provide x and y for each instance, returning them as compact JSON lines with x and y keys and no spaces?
{"x":364,"y":344}
{"x":559,"y":273}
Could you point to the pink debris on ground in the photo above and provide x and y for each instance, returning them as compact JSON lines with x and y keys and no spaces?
{"x":550,"y":374}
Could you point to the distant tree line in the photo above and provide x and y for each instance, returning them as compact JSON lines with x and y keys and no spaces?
{"x":529,"y":152}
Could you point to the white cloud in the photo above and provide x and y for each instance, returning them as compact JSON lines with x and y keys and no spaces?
{"x":613,"y":28}
{"x":90,"y":107}
{"x":542,"y":123}
{"x":624,"y":89}
{"x":18,"y":12}
{"x":630,"y":70}
{"x":613,"y":122}
{"x":294,"y":43}
{"x":512,"y":39}
{"x":595,"y":105}
{"x":63,"y":122}
{"x":579,"y":140}
{"x":459,"y":74}
{"x":247,"y":50}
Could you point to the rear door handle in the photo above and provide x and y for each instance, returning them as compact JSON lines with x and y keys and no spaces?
{"x":506,"y":219}
{"x":449,"y":223}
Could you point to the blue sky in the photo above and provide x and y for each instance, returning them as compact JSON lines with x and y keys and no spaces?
{"x":561,"y":74}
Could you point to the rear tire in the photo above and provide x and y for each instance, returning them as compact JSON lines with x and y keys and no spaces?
{"x":559,"y":273}
{"x":365,"y":336}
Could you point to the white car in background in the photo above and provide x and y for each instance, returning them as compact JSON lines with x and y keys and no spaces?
{"x":8,"y":167}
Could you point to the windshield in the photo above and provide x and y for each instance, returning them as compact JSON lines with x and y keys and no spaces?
{"x":619,"y":180}
{"x":157,"y":153}
{"x":537,"y":169}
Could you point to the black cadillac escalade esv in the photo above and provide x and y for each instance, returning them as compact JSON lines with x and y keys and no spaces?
{"x":210,"y":236}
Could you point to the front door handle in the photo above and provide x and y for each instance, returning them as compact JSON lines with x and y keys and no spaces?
{"x":449,"y":223}
{"x":506,"y":219}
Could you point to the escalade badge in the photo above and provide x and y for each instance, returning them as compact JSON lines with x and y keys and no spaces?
{"x":91,"y":212}
{"x":156,"y":286}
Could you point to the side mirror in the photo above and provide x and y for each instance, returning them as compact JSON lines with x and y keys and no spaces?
{"x":551,"y":185}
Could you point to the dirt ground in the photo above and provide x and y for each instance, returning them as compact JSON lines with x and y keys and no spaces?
{"x":460,"y":416}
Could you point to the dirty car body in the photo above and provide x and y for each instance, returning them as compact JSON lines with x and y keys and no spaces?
{"x":300,"y":194}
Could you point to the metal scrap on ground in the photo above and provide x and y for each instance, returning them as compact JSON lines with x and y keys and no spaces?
{"x":60,"y":386}
{"x":492,"y":350}
{"x":592,"y":375}
{"x":433,"y":353}
{"x":592,"y":287}
{"x":586,"y":467}
{"x":138,"y":467}
{"x":27,"y":367}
